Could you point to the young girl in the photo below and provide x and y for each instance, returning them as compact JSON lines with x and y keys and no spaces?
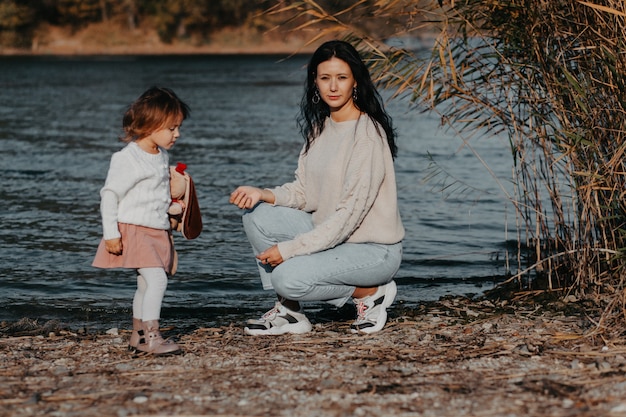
{"x":134,"y":203}
{"x":335,"y":232}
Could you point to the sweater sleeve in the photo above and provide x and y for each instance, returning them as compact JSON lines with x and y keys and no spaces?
{"x":292,"y":194}
{"x":119,"y":180}
{"x":108,"y":210}
{"x":365,"y":172}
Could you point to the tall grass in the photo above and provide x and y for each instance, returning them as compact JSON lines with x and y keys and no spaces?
{"x":548,"y":74}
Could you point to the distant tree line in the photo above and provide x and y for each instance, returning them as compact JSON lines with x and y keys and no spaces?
{"x":172,"y":19}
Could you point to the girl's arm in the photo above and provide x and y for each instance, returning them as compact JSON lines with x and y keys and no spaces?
{"x":114,"y":246}
{"x":108,"y":210}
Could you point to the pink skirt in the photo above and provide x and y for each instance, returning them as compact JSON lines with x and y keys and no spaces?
{"x":142,"y":247}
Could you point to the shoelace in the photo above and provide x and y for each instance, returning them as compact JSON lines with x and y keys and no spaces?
{"x":270,"y":313}
{"x":361,"y":308}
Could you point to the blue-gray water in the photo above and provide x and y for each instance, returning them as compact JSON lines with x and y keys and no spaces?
{"x":59,"y":123}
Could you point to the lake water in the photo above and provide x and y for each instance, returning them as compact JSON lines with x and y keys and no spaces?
{"x":59,"y":123}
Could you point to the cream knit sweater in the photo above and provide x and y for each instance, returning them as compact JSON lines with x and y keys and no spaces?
{"x":347,"y":181}
{"x":136,"y":190}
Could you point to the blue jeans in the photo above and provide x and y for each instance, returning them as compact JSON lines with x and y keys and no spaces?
{"x":330,"y":275}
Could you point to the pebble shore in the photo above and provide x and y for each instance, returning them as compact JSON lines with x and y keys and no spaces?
{"x":454,"y":358}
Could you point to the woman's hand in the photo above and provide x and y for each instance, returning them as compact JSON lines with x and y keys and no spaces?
{"x":114,"y":246}
{"x":271,"y":257}
{"x":246,"y":197}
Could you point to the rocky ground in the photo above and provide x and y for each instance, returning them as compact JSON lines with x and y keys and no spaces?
{"x":454,"y":358}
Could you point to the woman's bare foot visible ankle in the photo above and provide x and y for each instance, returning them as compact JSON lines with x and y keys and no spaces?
{"x":290,"y":304}
{"x":362,"y":292}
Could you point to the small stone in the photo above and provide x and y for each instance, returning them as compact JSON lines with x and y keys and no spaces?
{"x":620,"y":408}
{"x":140,"y":399}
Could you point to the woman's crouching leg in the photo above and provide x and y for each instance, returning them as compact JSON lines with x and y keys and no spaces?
{"x":333,"y":275}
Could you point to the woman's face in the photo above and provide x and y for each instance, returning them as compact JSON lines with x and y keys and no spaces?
{"x":335,"y":83}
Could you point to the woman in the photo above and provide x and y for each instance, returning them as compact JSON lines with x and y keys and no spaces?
{"x":335,"y":232}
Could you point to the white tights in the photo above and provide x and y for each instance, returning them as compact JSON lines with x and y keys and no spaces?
{"x":151,"y":285}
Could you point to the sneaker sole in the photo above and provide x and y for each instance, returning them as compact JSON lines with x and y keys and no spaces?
{"x":297,"y":328}
{"x":390,"y":295}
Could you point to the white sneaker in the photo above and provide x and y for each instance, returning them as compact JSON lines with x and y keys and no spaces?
{"x":279,"y":320}
{"x":372,"y":310}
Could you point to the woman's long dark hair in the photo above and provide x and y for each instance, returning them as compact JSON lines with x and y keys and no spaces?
{"x":313,"y":115}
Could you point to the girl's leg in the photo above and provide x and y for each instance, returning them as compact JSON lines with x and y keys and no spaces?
{"x":142,"y":285}
{"x":155,"y":285}
{"x":140,"y":293}
{"x":150,"y":340}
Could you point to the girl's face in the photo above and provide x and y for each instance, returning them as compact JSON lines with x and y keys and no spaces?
{"x":164,"y":137}
{"x":335,"y":83}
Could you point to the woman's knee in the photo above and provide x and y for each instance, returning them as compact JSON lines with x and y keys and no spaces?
{"x":255,"y":218}
{"x":289,"y":286}
{"x":282,"y":221}
{"x":249,"y":217}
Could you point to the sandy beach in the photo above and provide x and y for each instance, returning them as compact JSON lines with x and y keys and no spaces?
{"x":454,"y":358}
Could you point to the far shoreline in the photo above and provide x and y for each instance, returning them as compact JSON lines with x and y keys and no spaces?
{"x":164,"y":52}
{"x":109,"y":39}
{"x":103,"y":40}
{"x":151,"y":47}
{"x":151,"y":54}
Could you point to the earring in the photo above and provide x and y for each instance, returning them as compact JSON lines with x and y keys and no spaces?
{"x":316,"y":97}
{"x":354,"y":94}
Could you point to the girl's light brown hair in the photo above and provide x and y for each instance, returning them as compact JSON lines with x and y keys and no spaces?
{"x":152,"y":111}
